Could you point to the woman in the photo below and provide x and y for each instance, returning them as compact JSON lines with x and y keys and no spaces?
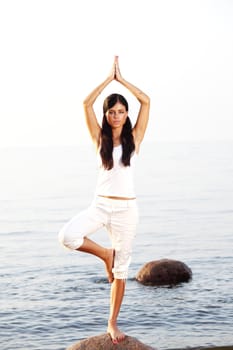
{"x":114,"y":206}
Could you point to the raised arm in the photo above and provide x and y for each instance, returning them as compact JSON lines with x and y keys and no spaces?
{"x":91,"y":120}
{"x":143,"y":114}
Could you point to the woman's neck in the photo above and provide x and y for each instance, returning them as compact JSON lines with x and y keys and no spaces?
{"x":116,"y":137}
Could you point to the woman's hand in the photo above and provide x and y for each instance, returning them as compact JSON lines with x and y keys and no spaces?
{"x":112,"y":74}
{"x":118,"y":76}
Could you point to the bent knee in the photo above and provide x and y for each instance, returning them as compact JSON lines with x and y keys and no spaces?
{"x":69,"y":241}
{"x":61,"y":237}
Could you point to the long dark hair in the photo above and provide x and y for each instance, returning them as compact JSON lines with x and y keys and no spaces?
{"x":126,"y":137}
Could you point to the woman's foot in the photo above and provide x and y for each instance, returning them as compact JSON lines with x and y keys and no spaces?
{"x":116,"y":335}
{"x":109,"y":263}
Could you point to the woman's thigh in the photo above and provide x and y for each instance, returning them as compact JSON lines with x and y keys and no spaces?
{"x":122,"y":232}
{"x":81,"y":225}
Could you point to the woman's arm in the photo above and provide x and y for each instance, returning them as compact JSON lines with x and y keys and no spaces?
{"x":91,"y":120}
{"x":143,"y":115}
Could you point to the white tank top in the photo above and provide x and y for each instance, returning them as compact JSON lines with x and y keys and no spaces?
{"x":118,"y":181}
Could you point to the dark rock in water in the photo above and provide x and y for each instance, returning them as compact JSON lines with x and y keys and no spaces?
{"x":104,"y":342}
{"x":164,"y":272}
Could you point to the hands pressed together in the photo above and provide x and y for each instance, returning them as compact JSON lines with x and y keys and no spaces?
{"x":115,"y":72}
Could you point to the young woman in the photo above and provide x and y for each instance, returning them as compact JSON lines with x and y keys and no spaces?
{"x":114,"y":205}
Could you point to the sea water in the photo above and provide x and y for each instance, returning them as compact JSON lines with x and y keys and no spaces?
{"x":52,"y":297}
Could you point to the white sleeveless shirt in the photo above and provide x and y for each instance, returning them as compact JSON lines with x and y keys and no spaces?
{"x":118,"y":181}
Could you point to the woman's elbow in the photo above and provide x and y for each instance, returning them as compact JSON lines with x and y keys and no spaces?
{"x":146,"y":100}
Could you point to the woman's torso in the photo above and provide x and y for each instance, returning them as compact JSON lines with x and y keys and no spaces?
{"x":118,"y":182}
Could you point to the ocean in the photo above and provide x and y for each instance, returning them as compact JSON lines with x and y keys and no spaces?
{"x":52,"y":297}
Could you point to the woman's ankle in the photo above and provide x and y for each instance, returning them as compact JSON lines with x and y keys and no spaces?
{"x":112,"y":322}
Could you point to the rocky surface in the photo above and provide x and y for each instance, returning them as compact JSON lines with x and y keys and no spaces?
{"x":103,"y":342}
{"x":164,"y":272}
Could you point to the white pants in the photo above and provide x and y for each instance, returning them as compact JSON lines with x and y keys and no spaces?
{"x":120,"y":217}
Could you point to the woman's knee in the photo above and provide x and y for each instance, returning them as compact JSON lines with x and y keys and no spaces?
{"x":62,"y":237}
{"x":121,"y":265}
{"x":68,"y":240}
{"x":121,"y":275}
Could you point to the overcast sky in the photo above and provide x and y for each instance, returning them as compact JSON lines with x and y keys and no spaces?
{"x":53,"y":53}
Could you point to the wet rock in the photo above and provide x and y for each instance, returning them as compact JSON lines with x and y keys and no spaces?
{"x":164,"y":272}
{"x":104,"y":342}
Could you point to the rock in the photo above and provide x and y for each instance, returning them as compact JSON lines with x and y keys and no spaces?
{"x":164,"y":272}
{"x":104,"y":342}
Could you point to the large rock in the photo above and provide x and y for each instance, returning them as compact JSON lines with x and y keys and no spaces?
{"x":104,"y":342}
{"x":164,"y":272}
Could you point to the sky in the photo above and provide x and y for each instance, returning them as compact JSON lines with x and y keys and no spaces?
{"x":54,"y":52}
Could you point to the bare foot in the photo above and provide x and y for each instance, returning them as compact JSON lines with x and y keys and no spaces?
{"x":109,"y":263}
{"x":114,"y":332}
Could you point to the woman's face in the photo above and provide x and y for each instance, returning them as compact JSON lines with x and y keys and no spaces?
{"x":116,"y":115}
